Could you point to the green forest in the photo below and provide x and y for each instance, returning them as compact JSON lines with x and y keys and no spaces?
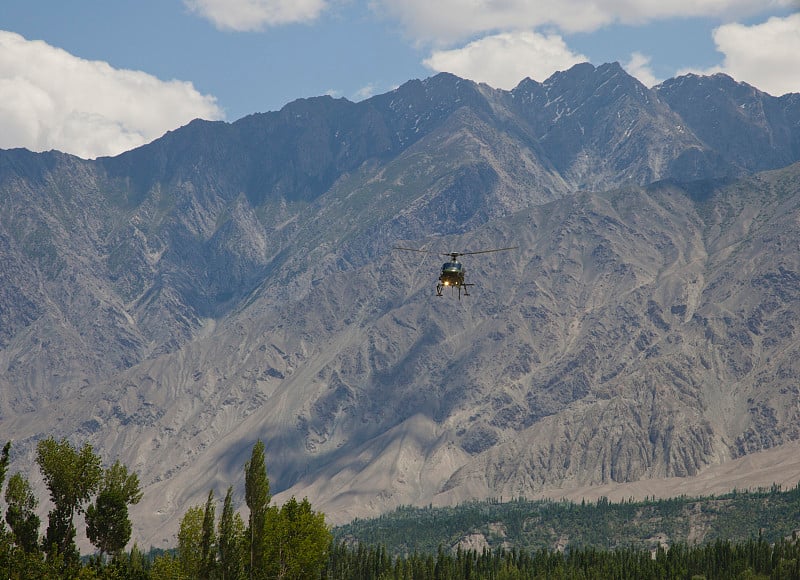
{"x":745,"y":534}
{"x":535,"y":524}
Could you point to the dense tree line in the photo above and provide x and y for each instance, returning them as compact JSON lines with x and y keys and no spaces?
{"x":290,"y":541}
{"x":534,"y":524}
{"x":723,"y":560}
{"x":77,"y":484}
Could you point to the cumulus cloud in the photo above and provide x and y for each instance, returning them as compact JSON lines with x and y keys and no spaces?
{"x":503,"y":60}
{"x":512,"y":43}
{"x":639,"y":67}
{"x":365,"y":92}
{"x":765,"y":55}
{"x":446,"y":22}
{"x":246,"y":15}
{"x":450,"y":21}
{"x":50,"y":99}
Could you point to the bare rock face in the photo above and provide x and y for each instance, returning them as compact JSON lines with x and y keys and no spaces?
{"x":231,"y":282}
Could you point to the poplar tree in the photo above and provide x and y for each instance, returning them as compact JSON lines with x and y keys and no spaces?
{"x":4,"y":462}
{"x":297,"y":541}
{"x":190,"y":538}
{"x":257,"y":498}
{"x":3,"y":469}
{"x":71,"y":476}
{"x":231,"y":538}
{"x":208,"y":540}
{"x":5,"y":539}
{"x":21,"y":513}
{"x":167,"y":567}
{"x":108,"y":526}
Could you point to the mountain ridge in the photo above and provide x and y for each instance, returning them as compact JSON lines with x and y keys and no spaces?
{"x":234,"y":281}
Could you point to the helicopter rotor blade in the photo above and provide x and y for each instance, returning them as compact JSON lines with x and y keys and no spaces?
{"x":415,"y":250}
{"x":481,"y":251}
{"x":454,"y":255}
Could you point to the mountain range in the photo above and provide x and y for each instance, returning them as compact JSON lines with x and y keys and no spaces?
{"x":235,"y":281}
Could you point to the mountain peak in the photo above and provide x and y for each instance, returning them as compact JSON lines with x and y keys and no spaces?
{"x":734,"y":117}
{"x":234,"y":281}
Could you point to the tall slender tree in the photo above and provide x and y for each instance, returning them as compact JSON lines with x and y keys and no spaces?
{"x":257,"y":498}
{"x":5,"y":538}
{"x":108,"y":526}
{"x":72,"y":476}
{"x":231,"y":537}
{"x":296,"y":541}
{"x":21,"y":513}
{"x":4,"y":462}
{"x":167,"y":566}
{"x":208,"y":540}
{"x":3,"y":469}
{"x":190,"y":538}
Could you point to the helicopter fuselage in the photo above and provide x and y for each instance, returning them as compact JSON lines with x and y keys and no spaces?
{"x":452,"y":274}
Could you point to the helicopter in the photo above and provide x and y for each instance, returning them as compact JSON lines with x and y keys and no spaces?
{"x":453,"y":273}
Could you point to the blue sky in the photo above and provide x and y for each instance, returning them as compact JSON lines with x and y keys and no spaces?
{"x":98,"y":77}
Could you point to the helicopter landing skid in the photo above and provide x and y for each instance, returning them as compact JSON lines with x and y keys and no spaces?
{"x":440,"y":287}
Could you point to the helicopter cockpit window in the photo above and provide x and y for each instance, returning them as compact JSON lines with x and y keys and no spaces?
{"x":451,"y":267}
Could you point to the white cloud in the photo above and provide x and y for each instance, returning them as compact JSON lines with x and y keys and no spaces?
{"x":446,"y":22}
{"x":503,"y":60}
{"x":450,"y":21}
{"x":365,"y":92}
{"x":639,"y":66}
{"x":244,"y":15}
{"x":50,"y":99}
{"x":765,"y":55}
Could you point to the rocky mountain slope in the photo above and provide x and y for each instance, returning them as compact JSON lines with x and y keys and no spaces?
{"x":235,"y":281}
